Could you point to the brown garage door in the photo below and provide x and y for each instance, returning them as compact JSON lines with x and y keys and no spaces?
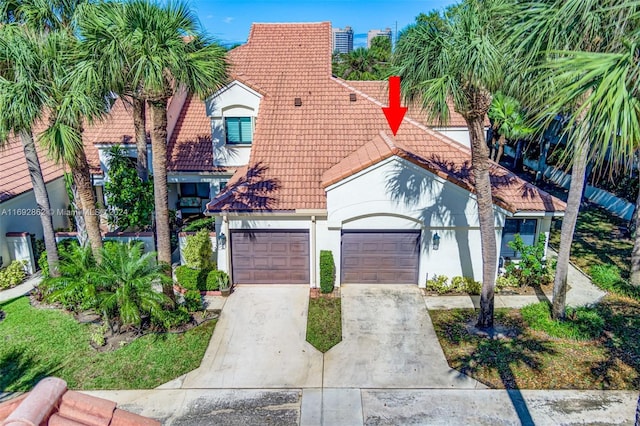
{"x":270,"y":257}
{"x":380,"y":257}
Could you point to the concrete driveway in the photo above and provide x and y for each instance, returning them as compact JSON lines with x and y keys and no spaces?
{"x":259,"y":342}
{"x":388,"y":342}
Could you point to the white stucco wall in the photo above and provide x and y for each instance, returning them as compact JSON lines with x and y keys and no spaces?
{"x":234,"y":100}
{"x":458,"y":134}
{"x":16,"y":214}
{"x":397,"y":195}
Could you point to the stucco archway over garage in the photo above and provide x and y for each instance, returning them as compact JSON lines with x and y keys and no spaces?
{"x":380,"y":257}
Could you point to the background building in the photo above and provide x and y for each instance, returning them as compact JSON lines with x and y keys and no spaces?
{"x":375,"y":33}
{"x":342,"y":40}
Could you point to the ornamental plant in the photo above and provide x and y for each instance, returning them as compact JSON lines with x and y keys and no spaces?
{"x":532,"y":269}
{"x":327,"y":271}
{"x":198,"y":253}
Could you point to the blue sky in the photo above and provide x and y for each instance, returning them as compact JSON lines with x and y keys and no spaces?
{"x":229,"y":21}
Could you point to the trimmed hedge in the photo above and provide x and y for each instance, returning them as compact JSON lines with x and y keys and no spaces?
{"x":327,"y":271}
{"x":198,"y":253}
{"x":192,"y":279}
{"x":213,"y":279}
{"x":12,"y":275}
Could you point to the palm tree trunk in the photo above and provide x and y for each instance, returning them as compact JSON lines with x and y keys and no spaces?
{"x":160,"y":195}
{"x":501,"y":143}
{"x":480,"y":164}
{"x":42,"y":200}
{"x":139,"y":123}
{"x":87,"y":203}
{"x":568,"y":227}
{"x":635,"y":253}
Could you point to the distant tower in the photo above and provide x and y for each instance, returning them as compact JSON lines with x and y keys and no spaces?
{"x":376,"y":33}
{"x":342,"y":40}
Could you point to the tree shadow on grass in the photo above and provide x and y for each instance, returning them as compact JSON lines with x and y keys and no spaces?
{"x":621,"y":339}
{"x":21,"y":371}
{"x":500,"y":355}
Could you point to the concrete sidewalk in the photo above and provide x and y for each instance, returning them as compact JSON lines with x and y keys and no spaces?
{"x":333,"y":407}
{"x":22,"y":289}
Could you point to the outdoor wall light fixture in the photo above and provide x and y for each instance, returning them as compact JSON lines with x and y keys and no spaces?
{"x":436,"y":241}
{"x":222,"y":240}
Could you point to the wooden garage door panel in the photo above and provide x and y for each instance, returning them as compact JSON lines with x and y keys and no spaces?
{"x":270,"y":257}
{"x":380,"y":257}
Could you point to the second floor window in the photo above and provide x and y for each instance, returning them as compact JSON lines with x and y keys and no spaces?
{"x":239,"y":130}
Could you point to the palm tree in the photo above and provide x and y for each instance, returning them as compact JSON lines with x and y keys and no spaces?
{"x":168,"y":54}
{"x":541,"y":31}
{"x":508,"y":121}
{"x":21,"y":101}
{"x":126,"y":276}
{"x":71,"y":103}
{"x":461,"y":61}
{"x":107,"y":55}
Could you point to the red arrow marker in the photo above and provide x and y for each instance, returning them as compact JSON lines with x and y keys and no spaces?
{"x":394,"y":112}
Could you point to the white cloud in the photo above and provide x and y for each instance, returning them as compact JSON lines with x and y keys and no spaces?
{"x":227,"y":20}
{"x":209,"y":16}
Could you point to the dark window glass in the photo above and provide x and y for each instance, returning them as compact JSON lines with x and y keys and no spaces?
{"x":238,"y":129}
{"x":527,"y":230}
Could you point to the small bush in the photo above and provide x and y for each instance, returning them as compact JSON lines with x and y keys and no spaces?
{"x":198,"y":253}
{"x":208,"y":223}
{"x":327,"y":271}
{"x":12,"y":275}
{"x":465,"y":285}
{"x":531,"y":270}
{"x":216,"y":279}
{"x":192,"y":301}
{"x":506,"y":281}
{"x":192,"y":279}
{"x":173,"y":319}
{"x":43,"y":264}
{"x":581,"y":323}
{"x":439,"y":284}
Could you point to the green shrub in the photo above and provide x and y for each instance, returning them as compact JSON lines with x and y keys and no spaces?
{"x":192,"y":301}
{"x":327,"y":271}
{"x":208,"y":223}
{"x":439,"y":284}
{"x":465,"y":285}
{"x":531,"y":270}
{"x":43,"y":264}
{"x":65,"y":249}
{"x":172,"y":319}
{"x":12,"y":275}
{"x":506,"y":281}
{"x":198,"y":253}
{"x":581,"y":323}
{"x":216,"y":279}
{"x":192,"y":279}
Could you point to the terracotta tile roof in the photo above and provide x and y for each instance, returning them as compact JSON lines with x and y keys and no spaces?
{"x":50,"y":403}
{"x":379,"y":90}
{"x":14,"y":174}
{"x":190,"y":147}
{"x":295,"y":145}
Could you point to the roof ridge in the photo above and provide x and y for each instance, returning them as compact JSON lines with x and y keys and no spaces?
{"x":421,"y":126}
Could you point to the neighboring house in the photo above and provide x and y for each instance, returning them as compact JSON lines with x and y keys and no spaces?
{"x":322,"y":171}
{"x":18,"y":208}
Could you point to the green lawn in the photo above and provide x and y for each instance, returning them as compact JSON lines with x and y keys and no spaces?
{"x":597,"y":241}
{"x":324,"y":324}
{"x":36,"y":343}
{"x":536,"y":360}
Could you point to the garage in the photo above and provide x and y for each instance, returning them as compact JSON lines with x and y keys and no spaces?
{"x":380,"y":257}
{"x":270,"y":257}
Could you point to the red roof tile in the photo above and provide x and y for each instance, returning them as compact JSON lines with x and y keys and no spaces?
{"x":14,"y":174}
{"x":295,"y":145}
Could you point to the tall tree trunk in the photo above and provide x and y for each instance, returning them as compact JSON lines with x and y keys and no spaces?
{"x":635,"y":253}
{"x":501,"y":143}
{"x":568,"y":227}
{"x":161,"y":199}
{"x":139,"y":123}
{"x":480,"y":164}
{"x":42,"y":200}
{"x":87,"y":201}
